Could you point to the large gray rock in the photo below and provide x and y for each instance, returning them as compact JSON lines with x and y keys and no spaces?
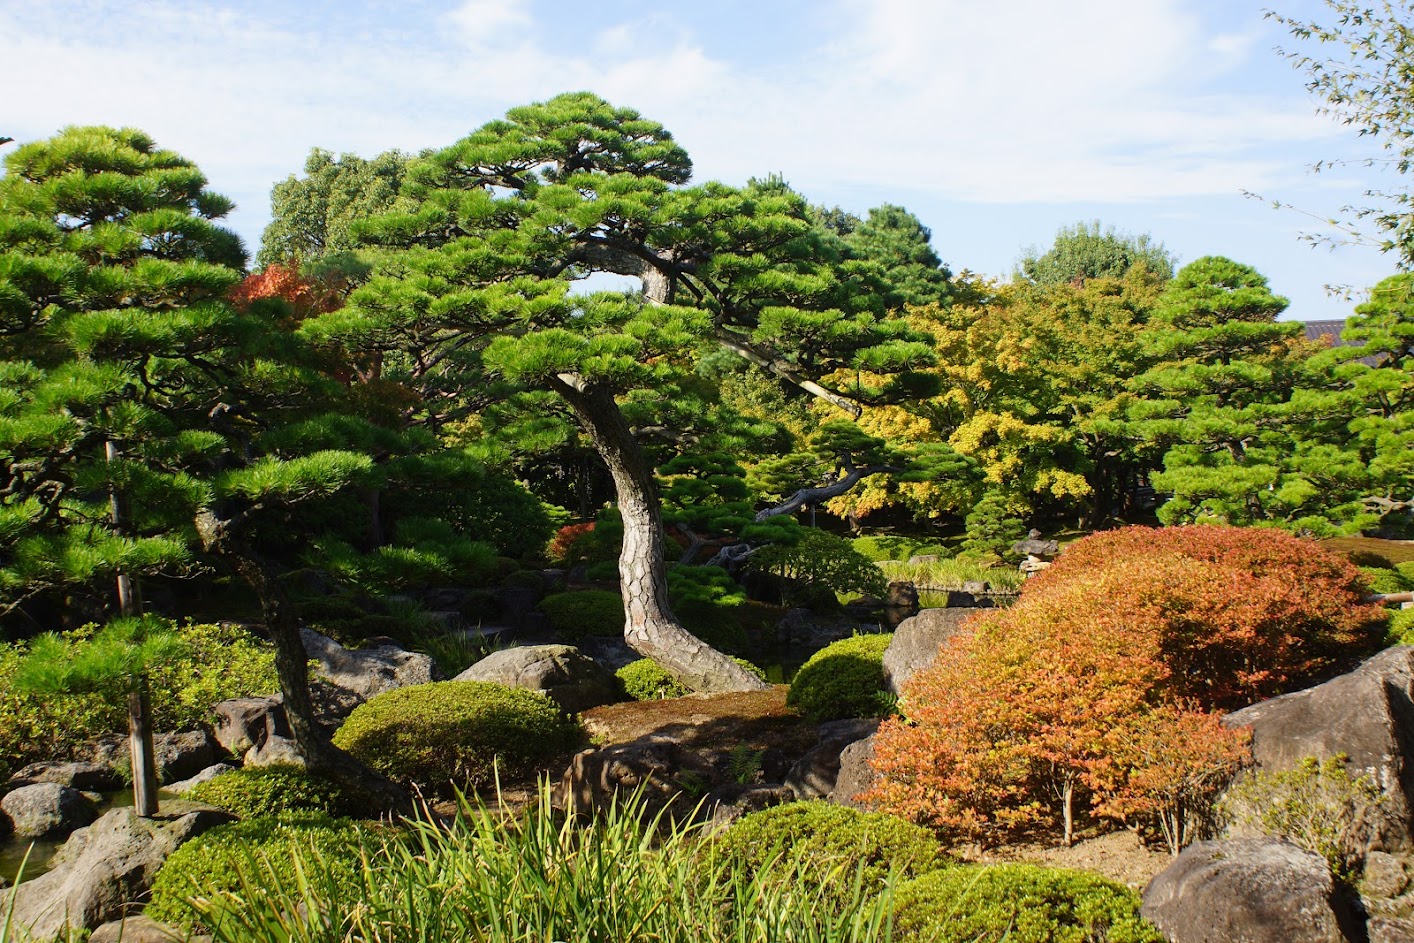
{"x":45,"y":810}
{"x":572,"y":680}
{"x":140,"y":929}
{"x":103,"y":867}
{"x":856,"y":773}
{"x":815,"y":774}
{"x":365,"y":672}
{"x":85,"y":777}
{"x":244,"y":722}
{"x":1368,"y":715}
{"x":183,"y":754}
{"x":1250,"y":890}
{"x":916,"y":643}
{"x":661,"y":772}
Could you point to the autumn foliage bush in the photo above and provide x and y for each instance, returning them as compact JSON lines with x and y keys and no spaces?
{"x":1104,"y":685}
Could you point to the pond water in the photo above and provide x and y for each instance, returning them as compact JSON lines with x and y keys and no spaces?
{"x":13,"y":850}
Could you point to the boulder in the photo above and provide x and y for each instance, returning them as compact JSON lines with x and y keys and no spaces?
{"x":902,"y":603}
{"x":275,"y":751}
{"x":103,"y":867}
{"x":815,"y":774}
{"x":365,"y":672}
{"x":572,"y":680}
{"x":1367,"y":715}
{"x":916,"y":643}
{"x":1390,"y":930}
{"x":725,"y":804}
{"x":46,"y":810}
{"x":662,"y":772}
{"x":1253,"y":890}
{"x":855,"y":774}
{"x":140,"y":929}
{"x":244,"y":722}
{"x":85,"y":777}
{"x":205,"y":776}
{"x":182,"y":755}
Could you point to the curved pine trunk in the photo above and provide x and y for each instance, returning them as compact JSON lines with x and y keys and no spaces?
{"x":650,"y":628}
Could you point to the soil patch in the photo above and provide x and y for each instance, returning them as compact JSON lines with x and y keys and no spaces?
{"x":1119,"y":856}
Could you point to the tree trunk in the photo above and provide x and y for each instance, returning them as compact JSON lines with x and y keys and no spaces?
{"x":1068,"y":798}
{"x":650,"y":627}
{"x":140,"y":747}
{"x":292,"y":668}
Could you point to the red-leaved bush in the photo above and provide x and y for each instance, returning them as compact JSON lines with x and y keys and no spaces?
{"x":561,"y":548}
{"x":1107,"y":680}
{"x":304,"y":295}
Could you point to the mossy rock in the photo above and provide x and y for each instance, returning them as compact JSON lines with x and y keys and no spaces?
{"x":1019,"y":903}
{"x":843,"y":679}
{"x":457,"y":734}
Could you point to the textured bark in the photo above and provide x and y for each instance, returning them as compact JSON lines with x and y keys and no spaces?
{"x":817,"y":496}
{"x":140,"y":745}
{"x":650,"y":627}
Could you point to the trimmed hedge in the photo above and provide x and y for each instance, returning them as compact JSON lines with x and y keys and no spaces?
{"x":1385,"y":580}
{"x":1019,"y":903}
{"x":843,"y":679}
{"x":586,"y":612}
{"x":646,"y":680}
{"x":834,"y":844}
{"x":456,"y":733}
{"x":258,"y":791}
{"x":222,"y":860}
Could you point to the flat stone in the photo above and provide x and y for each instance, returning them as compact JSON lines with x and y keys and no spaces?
{"x":561,"y":672}
{"x":85,"y":777}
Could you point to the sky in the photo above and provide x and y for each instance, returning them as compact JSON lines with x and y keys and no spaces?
{"x":995,"y":123}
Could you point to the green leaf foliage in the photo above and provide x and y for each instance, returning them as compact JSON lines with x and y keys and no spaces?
{"x":646,"y":680}
{"x":820,"y":561}
{"x":843,"y":679}
{"x":263,"y":791}
{"x":585,"y":612}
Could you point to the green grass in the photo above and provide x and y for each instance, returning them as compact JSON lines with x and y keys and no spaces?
{"x":951,"y":573}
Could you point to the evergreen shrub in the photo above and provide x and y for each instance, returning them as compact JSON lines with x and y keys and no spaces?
{"x":585,"y":612}
{"x":1385,"y":580}
{"x":1019,"y":903}
{"x":456,"y":733}
{"x":843,"y":679}
{"x":258,"y":791}
{"x":646,"y":680}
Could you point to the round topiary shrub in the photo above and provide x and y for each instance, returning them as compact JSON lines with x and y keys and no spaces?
{"x":1401,"y":627}
{"x":586,"y":612}
{"x":646,"y":680}
{"x":1385,"y":580}
{"x":273,"y":790}
{"x":833,"y":844}
{"x":228,"y":858}
{"x":456,"y":733}
{"x":843,"y":679}
{"x":1019,"y":903}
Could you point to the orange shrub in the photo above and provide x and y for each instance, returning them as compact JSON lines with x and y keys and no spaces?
{"x":561,"y":548}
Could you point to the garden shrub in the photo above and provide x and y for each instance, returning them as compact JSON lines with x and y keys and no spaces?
{"x":585,"y":612}
{"x":256,"y":791}
{"x":646,"y":680}
{"x":602,"y":572}
{"x":707,"y":600}
{"x":834,"y":844}
{"x":1400,"y":630}
{"x":525,"y":579}
{"x":456,"y":733}
{"x":1316,"y":806}
{"x":1019,"y":903}
{"x":1385,"y":580}
{"x":818,"y":567}
{"x":219,"y":662}
{"x":843,"y":679}
{"x":886,"y":547}
{"x":215,"y":861}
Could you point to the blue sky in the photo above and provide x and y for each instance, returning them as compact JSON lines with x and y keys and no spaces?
{"x":995,"y":123}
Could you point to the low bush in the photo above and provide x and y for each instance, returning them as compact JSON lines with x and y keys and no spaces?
{"x":890,"y":547}
{"x":1400,"y":627}
{"x":1385,"y":580}
{"x":220,"y":662}
{"x":258,"y":791}
{"x":221,"y":862}
{"x":1317,"y":806}
{"x":456,"y":733}
{"x":646,"y":680}
{"x":834,"y":844}
{"x":1019,"y":903}
{"x":843,"y":679}
{"x":818,"y":566}
{"x":585,"y":612}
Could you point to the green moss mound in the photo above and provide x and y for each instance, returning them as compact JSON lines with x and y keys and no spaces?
{"x":586,"y":612}
{"x":890,"y":547}
{"x":223,"y":860}
{"x":832,"y":844}
{"x":1401,"y":627}
{"x":843,"y":679}
{"x":274,"y":790}
{"x":1020,"y":904}
{"x":646,"y":680}
{"x":1385,"y":580}
{"x":456,"y":734}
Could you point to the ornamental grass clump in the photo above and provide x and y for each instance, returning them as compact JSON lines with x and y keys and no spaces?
{"x":533,"y":875}
{"x":457,"y":734}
